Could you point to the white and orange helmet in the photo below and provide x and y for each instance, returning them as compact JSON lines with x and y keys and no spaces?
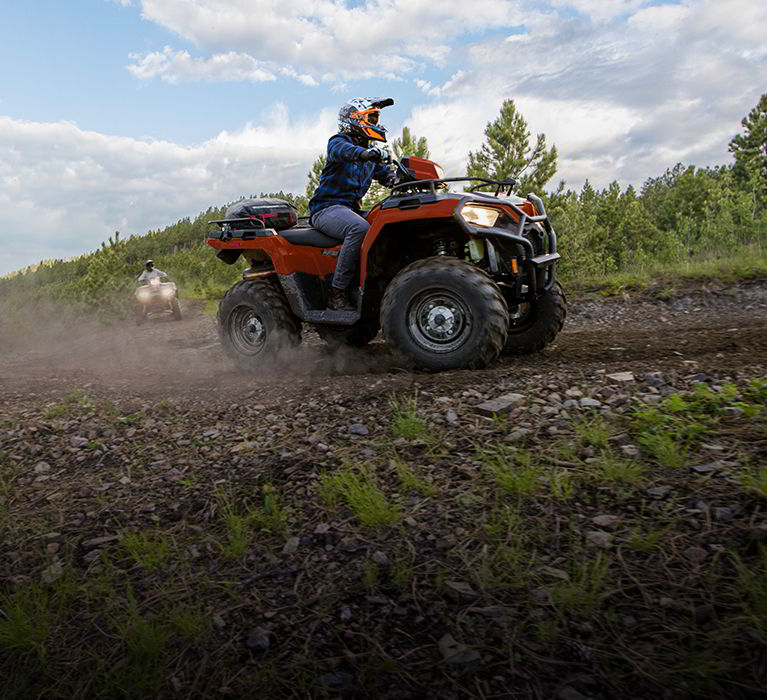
{"x":360,"y":118}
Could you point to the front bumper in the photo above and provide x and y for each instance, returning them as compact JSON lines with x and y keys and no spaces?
{"x":539,"y":270}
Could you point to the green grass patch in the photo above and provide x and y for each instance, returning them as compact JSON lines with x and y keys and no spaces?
{"x":613,"y":469}
{"x":74,"y":404}
{"x":644,"y":539}
{"x":410,"y":480}
{"x":26,"y":621}
{"x":755,"y":480}
{"x":359,"y":489}
{"x":239,"y":530}
{"x":747,"y":263}
{"x":514,"y":469}
{"x":582,"y":593}
{"x":665,"y":448}
{"x":148,"y":549}
{"x":270,"y":515}
{"x":594,"y":432}
{"x":751,"y":583}
{"x":405,"y":420}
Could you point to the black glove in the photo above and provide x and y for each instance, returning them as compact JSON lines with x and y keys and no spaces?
{"x":391,"y":179}
{"x":376,"y":154}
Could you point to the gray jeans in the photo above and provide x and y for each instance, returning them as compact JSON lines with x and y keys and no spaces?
{"x":341,"y":223}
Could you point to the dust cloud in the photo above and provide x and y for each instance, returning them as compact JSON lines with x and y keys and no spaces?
{"x":52,"y":344}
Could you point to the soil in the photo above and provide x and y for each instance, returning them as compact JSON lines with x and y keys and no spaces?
{"x":107,"y":431}
{"x":721,"y":329}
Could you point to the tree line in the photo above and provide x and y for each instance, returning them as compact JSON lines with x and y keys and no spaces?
{"x":682,"y":213}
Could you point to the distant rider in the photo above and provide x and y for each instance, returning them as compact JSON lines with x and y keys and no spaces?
{"x":150,"y":272}
{"x":350,"y":169}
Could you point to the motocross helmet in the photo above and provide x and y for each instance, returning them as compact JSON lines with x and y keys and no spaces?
{"x":359,"y":118}
{"x":149,"y":264}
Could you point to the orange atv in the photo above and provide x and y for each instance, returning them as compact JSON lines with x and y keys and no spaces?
{"x":452,"y":278}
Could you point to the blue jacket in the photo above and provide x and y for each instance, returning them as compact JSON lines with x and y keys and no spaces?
{"x":345,"y":178}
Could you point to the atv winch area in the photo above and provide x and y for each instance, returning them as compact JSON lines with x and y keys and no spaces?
{"x":585,"y":522}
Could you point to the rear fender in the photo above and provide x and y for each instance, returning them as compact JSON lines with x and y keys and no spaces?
{"x":285,"y":257}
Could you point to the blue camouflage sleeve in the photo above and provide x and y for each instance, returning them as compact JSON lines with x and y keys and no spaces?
{"x":341,"y":150}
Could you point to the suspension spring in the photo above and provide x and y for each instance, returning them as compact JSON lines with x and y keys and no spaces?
{"x":441,"y":247}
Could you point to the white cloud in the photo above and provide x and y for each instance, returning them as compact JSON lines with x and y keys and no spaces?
{"x":458,"y":82}
{"x":329,"y":38}
{"x":63,"y":189}
{"x":624,"y":91}
{"x":180,"y":67}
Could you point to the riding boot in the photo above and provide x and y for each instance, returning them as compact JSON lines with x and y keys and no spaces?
{"x":338,"y":300}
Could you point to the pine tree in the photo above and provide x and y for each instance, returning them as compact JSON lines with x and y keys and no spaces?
{"x":406,"y":145}
{"x":314,"y":175}
{"x":409,"y":145}
{"x":506,"y":153}
{"x":750,"y":148}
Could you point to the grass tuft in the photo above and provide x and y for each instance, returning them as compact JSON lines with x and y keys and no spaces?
{"x":25,"y":621}
{"x":405,"y":420}
{"x":514,"y":469}
{"x":360,"y":490}
{"x":148,"y":549}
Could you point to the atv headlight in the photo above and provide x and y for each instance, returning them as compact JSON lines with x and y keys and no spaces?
{"x":480,"y":216}
{"x":167,"y":291}
{"x":143,"y":294}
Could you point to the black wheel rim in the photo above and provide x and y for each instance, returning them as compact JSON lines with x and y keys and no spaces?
{"x":247,"y":330}
{"x":439,"y":320}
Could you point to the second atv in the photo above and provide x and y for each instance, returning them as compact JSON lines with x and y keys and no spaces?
{"x":453,"y":279}
{"x":156,"y":297}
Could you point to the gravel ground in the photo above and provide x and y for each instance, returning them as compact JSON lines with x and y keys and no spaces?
{"x":340,"y":527}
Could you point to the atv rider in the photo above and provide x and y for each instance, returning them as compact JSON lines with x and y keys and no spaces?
{"x":350,"y":168}
{"x":150,"y":272}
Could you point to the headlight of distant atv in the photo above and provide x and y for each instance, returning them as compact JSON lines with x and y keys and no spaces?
{"x":480,"y":216}
{"x":167,"y":291}
{"x":143,"y":295}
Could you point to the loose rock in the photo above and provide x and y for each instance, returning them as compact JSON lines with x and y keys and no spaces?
{"x":501,"y":405}
{"x":454,"y":652}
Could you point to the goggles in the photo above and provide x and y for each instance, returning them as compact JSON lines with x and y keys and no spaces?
{"x":369,"y":116}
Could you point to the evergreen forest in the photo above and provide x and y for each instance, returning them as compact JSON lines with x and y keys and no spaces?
{"x":683,"y":216}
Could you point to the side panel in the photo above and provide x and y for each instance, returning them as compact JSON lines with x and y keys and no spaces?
{"x":286,"y":257}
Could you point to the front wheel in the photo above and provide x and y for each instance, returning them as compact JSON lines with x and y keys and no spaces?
{"x":533,"y":325}
{"x":255,"y":322}
{"x":442,"y":313}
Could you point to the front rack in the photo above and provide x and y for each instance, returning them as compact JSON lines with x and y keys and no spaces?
{"x":433,"y":185}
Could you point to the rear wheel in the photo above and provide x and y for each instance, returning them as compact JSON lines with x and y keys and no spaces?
{"x":255,"y":322}
{"x":533,"y":325}
{"x":442,"y":313}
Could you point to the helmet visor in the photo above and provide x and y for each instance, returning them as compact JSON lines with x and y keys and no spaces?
{"x":371,"y":116}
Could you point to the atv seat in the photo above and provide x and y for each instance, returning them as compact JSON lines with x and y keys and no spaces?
{"x":309,"y":236}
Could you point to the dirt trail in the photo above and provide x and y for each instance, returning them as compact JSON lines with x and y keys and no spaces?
{"x":708,"y":329}
{"x":314,"y":531}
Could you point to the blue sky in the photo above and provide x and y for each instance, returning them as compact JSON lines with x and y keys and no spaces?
{"x":129,"y":114}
